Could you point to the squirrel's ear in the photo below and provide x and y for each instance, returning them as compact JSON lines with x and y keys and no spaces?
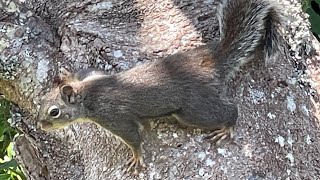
{"x":64,"y":74}
{"x":68,"y":94}
{"x":57,"y":81}
{"x":62,"y":78}
{"x":67,"y":90}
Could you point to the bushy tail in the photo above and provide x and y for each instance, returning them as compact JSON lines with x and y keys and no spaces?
{"x":245,"y":26}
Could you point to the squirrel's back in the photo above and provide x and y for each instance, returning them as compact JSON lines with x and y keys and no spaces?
{"x":246,"y":25}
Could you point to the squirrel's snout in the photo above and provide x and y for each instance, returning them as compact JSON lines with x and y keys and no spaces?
{"x":44,"y":125}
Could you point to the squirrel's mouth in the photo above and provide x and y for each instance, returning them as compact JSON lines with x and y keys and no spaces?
{"x":53,"y":125}
{"x":45,"y":125}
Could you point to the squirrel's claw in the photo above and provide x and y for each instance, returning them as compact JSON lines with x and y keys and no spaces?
{"x":219,"y":135}
{"x":135,"y":162}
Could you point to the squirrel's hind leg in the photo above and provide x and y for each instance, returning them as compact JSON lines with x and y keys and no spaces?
{"x":209,"y":113}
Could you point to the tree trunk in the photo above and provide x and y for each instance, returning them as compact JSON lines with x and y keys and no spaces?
{"x":277,"y":135}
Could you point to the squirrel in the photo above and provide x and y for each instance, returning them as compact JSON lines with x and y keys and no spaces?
{"x":184,"y":85}
{"x":65,"y":76}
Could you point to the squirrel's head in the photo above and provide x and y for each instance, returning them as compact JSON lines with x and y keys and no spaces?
{"x":61,"y":107}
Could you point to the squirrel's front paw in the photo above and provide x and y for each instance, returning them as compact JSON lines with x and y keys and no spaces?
{"x":136,"y":163}
{"x":219,"y":135}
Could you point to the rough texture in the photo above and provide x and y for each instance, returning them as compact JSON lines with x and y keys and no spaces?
{"x":277,"y":135}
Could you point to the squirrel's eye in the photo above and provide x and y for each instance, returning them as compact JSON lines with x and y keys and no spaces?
{"x":54,"y":112}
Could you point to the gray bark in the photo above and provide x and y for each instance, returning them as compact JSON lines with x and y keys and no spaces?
{"x":277,"y":135}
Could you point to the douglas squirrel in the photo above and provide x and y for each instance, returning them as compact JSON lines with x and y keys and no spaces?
{"x":185,"y":85}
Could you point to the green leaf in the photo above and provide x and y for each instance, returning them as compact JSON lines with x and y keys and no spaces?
{"x":6,"y":165}
{"x":17,"y":174}
{"x":5,"y":176}
{"x":2,"y":126}
{"x":4,"y":109}
{"x":306,"y":4}
{"x":314,"y":20}
{"x":317,"y":1}
{"x":3,"y":146}
{"x":4,"y":115}
{"x":10,"y":150}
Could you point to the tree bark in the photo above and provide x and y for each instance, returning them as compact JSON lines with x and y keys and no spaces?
{"x":277,"y":135}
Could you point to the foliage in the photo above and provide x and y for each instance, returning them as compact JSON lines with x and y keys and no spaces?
{"x":312,"y":7}
{"x":9,"y":168}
